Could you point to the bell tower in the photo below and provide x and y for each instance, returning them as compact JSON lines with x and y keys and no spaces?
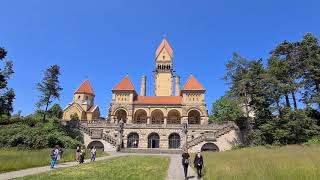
{"x":163,"y":77}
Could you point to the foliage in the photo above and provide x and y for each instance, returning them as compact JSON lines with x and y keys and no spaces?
{"x":294,"y":162}
{"x":7,"y":94}
{"x":49,"y":87}
{"x":31,"y":133}
{"x":74,"y":116}
{"x":13,"y":159}
{"x":269,"y":94}
{"x":121,"y":168}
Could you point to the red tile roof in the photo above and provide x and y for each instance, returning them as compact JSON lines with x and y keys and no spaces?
{"x":193,"y":84}
{"x":164,"y":44}
{"x":85,"y":88}
{"x":125,"y":84}
{"x":158,"y":100}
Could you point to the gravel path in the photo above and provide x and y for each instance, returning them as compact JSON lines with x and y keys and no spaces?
{"x":175,"y":171}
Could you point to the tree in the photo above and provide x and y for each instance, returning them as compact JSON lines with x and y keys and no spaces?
{"x":74,"y":116}
{"x":310,"y":63}
{"x":56,"y":111}
{"x":49,"y":87}
{"x":6,"y":94}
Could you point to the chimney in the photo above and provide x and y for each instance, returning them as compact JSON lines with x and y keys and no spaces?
{"x":143,"y":86}
{"x":177,"y":86}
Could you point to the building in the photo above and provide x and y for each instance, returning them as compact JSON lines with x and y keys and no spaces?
{"x":172,"y":119}
{"x":82,"y":107}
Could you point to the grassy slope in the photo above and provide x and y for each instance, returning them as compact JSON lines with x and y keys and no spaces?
{"x":289,"y":162}
{"x":13,"y":159}
{"x":122,"y":168}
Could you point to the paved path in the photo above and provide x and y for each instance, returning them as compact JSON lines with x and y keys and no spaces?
{"x":175,"y":171}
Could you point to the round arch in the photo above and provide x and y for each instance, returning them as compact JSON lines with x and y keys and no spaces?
{"x":140,"y":117}
{"x":210,"y":147}
{"x":194,"y":117}
{"x":133,"y":140}
{"x":157,"y":117}
{"x":153,"y":140}
{"x":97,"y":144}
{"x":121,"y":114}
{"x":174,"y":141}
{"x":174,"y":117}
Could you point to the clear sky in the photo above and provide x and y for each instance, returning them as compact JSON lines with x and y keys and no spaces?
{"x":104,"y":40}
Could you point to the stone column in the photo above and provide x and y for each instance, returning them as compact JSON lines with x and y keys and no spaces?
{"x":120,"y":133}
{"x":148,"y":120}
{"x":185,"y":132}
{"x":165,"y":121}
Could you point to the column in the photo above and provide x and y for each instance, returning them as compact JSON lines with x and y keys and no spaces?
{"x":148,"y":120}
{"x":165,"y":120}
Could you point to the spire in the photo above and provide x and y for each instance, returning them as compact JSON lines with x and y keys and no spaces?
{"x":164,"y":44}
{"x":124,"y":84}
{"x":193,"y":84}
{"x":85,"y":88}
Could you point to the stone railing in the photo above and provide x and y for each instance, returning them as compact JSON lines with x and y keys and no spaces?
{"x":211,"y":136}
{"x":97,"y":134}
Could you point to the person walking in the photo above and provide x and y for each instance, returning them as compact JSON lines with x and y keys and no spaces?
{"x":78,"y":154}
{"x":82,"y":154}
{"x":54,"y":154}
{"x":93,"y":154}
{"x":198,"y":164}
{"x":185,"y":162}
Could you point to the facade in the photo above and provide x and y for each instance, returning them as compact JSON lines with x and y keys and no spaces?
{"x":169,"y":105}
{"x":172,"y":119}
{"x":82,"y":105}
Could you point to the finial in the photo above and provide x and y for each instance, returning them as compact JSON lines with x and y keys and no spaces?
{"x":164,"y":36}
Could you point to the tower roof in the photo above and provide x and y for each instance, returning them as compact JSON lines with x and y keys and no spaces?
{"x":125,"y":84}
{"x":166,"y":45}
{"x":193,"y":84}
{"x":86,"y":88}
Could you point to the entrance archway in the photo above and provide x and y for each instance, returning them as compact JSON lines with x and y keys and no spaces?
{"x":97,"y":144}
{"x":174,"y":141}
{"x":153,"y":140}
{"x":133,"y":140}
{"x":157,"y":117}
{"x":210,"y":147}
{"x":140,"y":117}
{"x":194,"y":117}
{"x":174,"y":117}
{"x":121,"y":114}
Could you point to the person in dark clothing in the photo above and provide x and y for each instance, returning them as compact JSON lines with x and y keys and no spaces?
{"x":185,"y":162}
{"x":198,"y":164}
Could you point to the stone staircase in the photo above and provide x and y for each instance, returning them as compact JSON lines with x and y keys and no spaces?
{"x":98,"y":134}
{"x":210,"y":136}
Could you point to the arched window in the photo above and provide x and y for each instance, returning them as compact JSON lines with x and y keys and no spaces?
{"x":133,"y":140}
{"x":157,"y":117}
{"x":153,"y":140}
{"x":194,"y":117}
{"x":174,"y":141}
{"x":121,"y":115}
{"x":174,"y":117}
{"x":140,"y":117}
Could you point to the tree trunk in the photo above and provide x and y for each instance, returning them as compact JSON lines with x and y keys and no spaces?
{"x":294,"y":100}
{"x":287,"y":100}
{"x":45,"y":112}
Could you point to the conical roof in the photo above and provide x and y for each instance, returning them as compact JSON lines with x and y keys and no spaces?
{"x":86,"y":88}
{"x":125,"y":84}
{"x":193,"y":84}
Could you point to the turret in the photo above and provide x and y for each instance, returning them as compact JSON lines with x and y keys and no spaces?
{"x":143,"y":86}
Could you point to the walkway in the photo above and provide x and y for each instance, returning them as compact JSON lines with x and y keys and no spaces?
{"x":175,"y":171}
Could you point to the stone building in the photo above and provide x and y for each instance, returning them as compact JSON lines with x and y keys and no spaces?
{"x":82,"y":105}
{"x":172,"y":119}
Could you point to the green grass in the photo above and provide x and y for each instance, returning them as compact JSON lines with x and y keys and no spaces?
{"x":121,"y":168}
{"x":294,"y":162}
{"x":15,"y":159}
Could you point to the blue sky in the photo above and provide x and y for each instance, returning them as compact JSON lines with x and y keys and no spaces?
{"x":105,"y":40}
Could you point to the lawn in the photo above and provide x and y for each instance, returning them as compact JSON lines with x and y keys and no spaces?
{"x":294,"y":162}
{"x":14,"y":159}
{"x":121,"y":168}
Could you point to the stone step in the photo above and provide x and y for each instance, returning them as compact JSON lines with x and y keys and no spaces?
{"x":151,"y":151}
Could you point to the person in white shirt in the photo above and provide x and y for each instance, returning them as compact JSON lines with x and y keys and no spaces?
{"x":93,"y":154}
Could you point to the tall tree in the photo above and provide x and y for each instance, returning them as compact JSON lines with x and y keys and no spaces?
{"x":49,"y":87}
{"x":6,"y":94}
{"x":310,"y":58}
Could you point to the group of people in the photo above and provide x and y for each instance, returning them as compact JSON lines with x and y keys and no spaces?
{"x":198,"y":163}
{"x":81,"y":152}
{"x":56,"y":154}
